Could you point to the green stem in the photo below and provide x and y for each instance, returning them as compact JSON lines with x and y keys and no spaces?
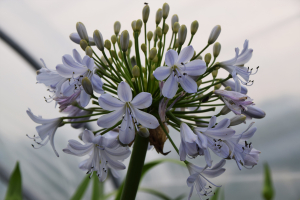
{"x":200,"y":52}
{"x":135,"y":168}
{"x":191,"y":40}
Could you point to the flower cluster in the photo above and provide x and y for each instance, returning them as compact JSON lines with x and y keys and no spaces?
{"x":145,"y":100}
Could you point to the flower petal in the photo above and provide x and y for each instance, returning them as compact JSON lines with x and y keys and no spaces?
{"x":171,"y":57}
{"x":84,"y":98}
{"x":127,"y":131}
{"x":185,"y":55}
{"x":108,"y":102}
{"x":124,"y":92}
{"x":170,"y":87}
{"x":224,"y":123}
{"x":182,"y":151}
{"x":194,"y":68}
{"x":186,"y":133}
{"x":145,"y":119}
{"x":212,"y":121}
{"x":142,"y":100}
{"x":77,"y":56}
{"x":161,"y":73}
{"x":219,"y":165}
{"x":231,"y":61}
{"x":70,"y":62}
{"x":245,"y":57}
{"x":108,"y":120}
{"x":69,"y":72}
{"x":88,"y":62}
{"x":87,"y":136}
{"x":188,"y":84}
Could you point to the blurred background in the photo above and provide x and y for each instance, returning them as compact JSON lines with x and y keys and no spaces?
{"x":42,"y":28}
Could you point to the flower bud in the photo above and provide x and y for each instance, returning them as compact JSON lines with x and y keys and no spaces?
{"x":83,"y":44}
{"x":215,"y":32}
{"x":216,"y":49}
{"x":144,"y":132}
{"x":152,"y":53}
{"x":143,"y":69}
{"x":176,"y":44}
{"x":139,"y":25}
{"x":155,"y":36}
{"x":130,"y":44}
{"x":176,"y":27}
{"x":149,"y":35}
{"x":225,"y":110}
{"x":133,"y":80}
{"x":107,"y":44}
{"x":182,"y":34}
{"x":158,"y":17}
{"x":160,"y":45}
{"x":89,"y":51}
{"x":113,"y":39}
{"x":254,"y":112}
{"x":136,"y":71}
{"x":113,"y":53}
{"x":87,"y":85}
{"x":214,"y":73}
{"x":199,"y":83}
{"x":120,"y":55}
{"x":104,"y":60}
{"x":110,"y":60}
{"x":159,"y":32}
{"x":174,"y":20}
{"x":199,"y":57}
{"x":155,"y":60}
{"x":133,"y":25}
{"x":165,"y":10}
{"x":117,"y":27}
{"x":124,"y":40}
{"x":81,"y":30}
{"x":166,"y":28}
{"x":145,"y":13}
{"x":218,"y":86}
{"x":98,"y":40}
{"x":238,"y":119}
{"x":228,"y":88}
{"x":194,"y":27}
{"x":207,"y":58}
{"x":143,"y":47}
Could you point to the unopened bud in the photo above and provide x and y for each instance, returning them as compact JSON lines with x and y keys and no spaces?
{"x":113,"y":39}
{"x":158,"y":16}
{"x":159,"y":32}
{"x":176,"y":27}
{"x":139,"y":25}
{"x":98,"y":40}
{"x":143,"y":132}
{"x":255,"y":112}
{"x":136,"y":71}
{"x":110,"y":60}
{"x":120,"y":55}
{"x":228,"y":88}
{"x":152,"y":53}
{"x":165,"y":10}
{"x":199,"y":57}
{"x":87,"y":85}
{"x":174,"y":19}
{"x":238,"y":119}
{"x":113,"y":53}
{"x":216,"y":49}
{"x":107,"y":44}
{"x":218,"y":86}
{"x":117,"y":27}
{"x":149,"y":35}
{"x":143,"y":69}
{"x":145,"y":13}
{"x":104,"y":60}
{"x":143,"y":47}
{"x":215,"y":32}
{"x":160,"y":44}
{"x":225,"y":110}
{"x":133,"y":80}
{"x":214,"y":73}
{"x":130,"y":44}
{"x":155,"y":60}
{"x":155,"y":38}
{"x":199,"y":83}
{"x":81,"y":30}
{"x":133,"y":25}
{"x":166,"y":28}
{"x":124,"y":40}
{"x":207,"y":58}
{"x":89,"y":51}
{"x":182,"y":34}
{"x":194,"y":27}
{"x":176,"y":44}
{"x":83,"y":44}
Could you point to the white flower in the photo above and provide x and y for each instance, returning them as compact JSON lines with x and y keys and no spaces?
{"x":235,"y":101}
{"x":198,"y":178}
{"x":188,"y":144}
{"x":179,"y":70}
{"x":104,"y":151}
{"x":46,"y":130}
{"x":130,"y":108}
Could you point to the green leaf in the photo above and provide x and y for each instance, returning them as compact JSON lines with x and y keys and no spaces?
{"x":14,"y":190}
{"x":81,"y":189}
{"x":180,"y":197}
{"x":216,"y":194}
{"x":268,"y":189}
{"x":98,"y":187}
{"x":146,"y":168}
{"x":155,"y":193}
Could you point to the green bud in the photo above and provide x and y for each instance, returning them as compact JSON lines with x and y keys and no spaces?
{"x":120,"y":55}
{"x":143,"y":69}
{"x":133,"y":80}
{"x":159,"y":32}
{"x":199,"y":83}
{"x":194,"y":27}
{"x":152,"y":53}
{"x":182,"y":34}
{"x":113,"y":53}
{"x":158,"y":45}
{"x":83,"y":44}
{"x":218,"y":86}
{"x":143,"y":47}
{"x":81,"y":30}
{"x":237,"y":119}
{"x":145,"y":13}
{"x":215,"y":32}
{"x":216,"y":49}
{"x":228,"y":88}
{"x":133,"y":25}
{"x":110,"y":60}
{"x":89,"y":51}
{"x":98,"y":40}
{"x":124,"y":40}
{"x":136,"y":71}
{"x":127,"y":53}
{"x":158,"y":17}
{"x":165,"y":10}
{"x":107,"y":44}
{"x":153,"y":67}
{"x":166,"y":28}
{"x":130,"y":44}
{"x":155,"y":38}
{"x":139,"y":25}
{"x":149,"y":35}
{"x":207,"y":58}
{"x":176,"y":44}
{"x":176,"y":27}
{"x":155,"y":60}
{"x":225,"y":110}
{"x":87,"y":85}
{"x":268,"y":188}
{"x":174,"y":20}
{"x":117,"y":27}
{"x":214,"y":73}
{"x":113,"y":39}
{"x":143,"y":132}
{"x":104,"y":60}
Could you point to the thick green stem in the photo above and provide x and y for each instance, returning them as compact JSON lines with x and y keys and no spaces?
{"x":135,"y":168}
